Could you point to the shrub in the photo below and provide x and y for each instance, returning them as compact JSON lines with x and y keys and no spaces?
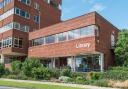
{"x":66,"y":72}
{"x":77,"y":74}
{"x":117,"y":73}
{"x":2,"y":71}
{"x":29,"y":64}
{"x":80,"y":80}
{"x":55,"y":73}
{"x":41,"y":73}
{"x":16,"y":66}
{"x":11,"y":76}
{"x":95,"y":75}
{"x":101,"y":82}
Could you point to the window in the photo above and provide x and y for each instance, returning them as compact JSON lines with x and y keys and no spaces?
{"x":36,"y":19}
{"x":50,"y":39}
{"x":53,"y":3}
{"x":1,"y":5}
{"x":76,"y":33}
{"x":47,"y":1}
{"x":16,"y":25}
{"x":6,"y":14}
{"x":62,"y":36}
{"x":7,"y":2}
{"x":87,"y":31}
{"x":112,"y":40}
{"x":18,"y":42}
{"x":27,"y":2}
{"x":6,"y":42}
{"x":70,"y":35}
{"x":36,"y":6}
{"x":22,"y":13}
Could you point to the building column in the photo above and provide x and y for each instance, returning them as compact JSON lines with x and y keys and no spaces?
{"x":101,"y":62}
{"x":74,"y":63}
{"x":2,"y":59}
{"x":53,"y":62}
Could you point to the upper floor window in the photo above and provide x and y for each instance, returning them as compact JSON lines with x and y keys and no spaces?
{"x":47,"y":1}
{"x":112,"y":40}
{"x":27,"y":2}
{"x":36,"y":6}
{"x":36,"y":19}
{"x":50,"y":39}
{"x":62,"y":36}
{"x":22,"y":13}
{"x":1,"y":5}
{"x":18,"y":42}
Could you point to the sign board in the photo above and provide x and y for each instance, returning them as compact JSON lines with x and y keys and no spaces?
{"x":83,"y":45}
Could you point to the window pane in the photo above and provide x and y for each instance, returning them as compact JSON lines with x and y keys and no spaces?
{"x":62,"y":36}
{"x":76,"y":33}
{"x":50,"y":39}
{"x":70,"y":35}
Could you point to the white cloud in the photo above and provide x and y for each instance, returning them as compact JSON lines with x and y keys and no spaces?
{"x":88,"y":1}
{"x":98,"y":7}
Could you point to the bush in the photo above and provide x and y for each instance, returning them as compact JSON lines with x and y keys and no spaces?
{"x":79,"y":74}
{"x":16,"y":66}
{"x":96,"y":75}
{"x":66,"y":72}
{"x":2,"y":71}
{"x":116,"y":73}
{"x":55,"y":73}
{"x":41,"y":73}
{"x":29,"y":64}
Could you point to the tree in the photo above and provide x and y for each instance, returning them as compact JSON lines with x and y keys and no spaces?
{"x":29,"y":64}
{"x":121,"y":50}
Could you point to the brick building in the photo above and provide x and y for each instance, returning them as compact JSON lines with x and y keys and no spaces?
{"x":33,"y":28}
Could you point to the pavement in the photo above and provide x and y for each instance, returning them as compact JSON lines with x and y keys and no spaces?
{"x":3,"y":87}
{"x":53,"y":83}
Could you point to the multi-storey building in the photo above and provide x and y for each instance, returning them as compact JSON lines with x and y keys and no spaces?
{"x":18,"y":18}
{"x":33,"y":28}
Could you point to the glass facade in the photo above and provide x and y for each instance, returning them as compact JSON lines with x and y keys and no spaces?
{"x":65,"y":36}
{"x":11,"y":42}
{"x":87,"y":63}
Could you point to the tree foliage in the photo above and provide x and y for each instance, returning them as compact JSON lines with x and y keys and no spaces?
{"x":29,"y":64}
{"x":121,"y":50}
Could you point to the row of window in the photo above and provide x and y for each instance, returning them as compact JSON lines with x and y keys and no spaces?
{"x":14,"y":25}
{"x":27,"y":2}
{"x":22,"y":13}
{"x":65,"y":36}
{"x":11,"y":42}
{"x":4,"y":3}
{"x":19,"y":12}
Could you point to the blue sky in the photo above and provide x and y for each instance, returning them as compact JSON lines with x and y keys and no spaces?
{"x":115,"y":11}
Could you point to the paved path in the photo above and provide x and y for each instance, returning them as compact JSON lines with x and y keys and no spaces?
{"x":3,"y":87}
{"x":60,"y":84}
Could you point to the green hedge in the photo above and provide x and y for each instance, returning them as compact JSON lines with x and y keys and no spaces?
{"x":116,"y":73}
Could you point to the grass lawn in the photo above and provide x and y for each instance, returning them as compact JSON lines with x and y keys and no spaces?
{"x":33,"y":85}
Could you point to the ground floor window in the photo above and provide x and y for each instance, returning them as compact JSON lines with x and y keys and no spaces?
{"x":87,"y":63}
{"x":81,"y":63}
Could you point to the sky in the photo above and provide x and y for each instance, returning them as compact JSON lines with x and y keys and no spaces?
{"x":115,"y":11}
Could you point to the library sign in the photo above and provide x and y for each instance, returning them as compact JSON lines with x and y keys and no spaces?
{"x":83,"y":45}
